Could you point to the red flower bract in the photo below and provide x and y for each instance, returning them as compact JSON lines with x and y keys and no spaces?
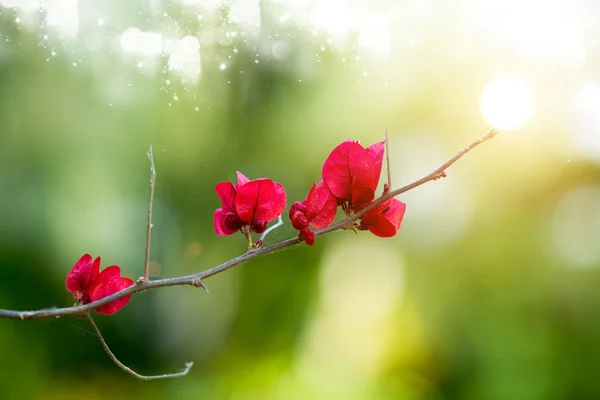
{"x":87,"y":284}
{"x":81,"y":277}
{"x":108,"y":282}
{"x":321,"y":206}
{"x":352,"y":172}
{"x":385,"y":219}
{"x":252,"y":203}
{"x":317,"y":210}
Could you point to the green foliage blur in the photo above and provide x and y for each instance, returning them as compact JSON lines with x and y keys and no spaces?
{"x":489,"y":290}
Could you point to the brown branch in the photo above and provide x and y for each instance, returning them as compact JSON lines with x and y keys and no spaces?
{"x":149,"y":227}
{"x":125,"y":368}
{"x":196,"y":279}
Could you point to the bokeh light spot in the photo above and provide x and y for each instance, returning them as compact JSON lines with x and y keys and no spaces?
{"x":135,"y":41}
{"x":374,"y":36}
{"x":506,"y":103}
{"x":193,"y":250}
{"x":185,"y":58}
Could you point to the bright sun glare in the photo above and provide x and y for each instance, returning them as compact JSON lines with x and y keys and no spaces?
{"x":506,"y":103}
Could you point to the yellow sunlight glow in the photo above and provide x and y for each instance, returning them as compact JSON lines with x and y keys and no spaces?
{"x":506,"y":103}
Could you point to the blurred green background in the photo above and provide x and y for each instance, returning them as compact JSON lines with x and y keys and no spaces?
{"x":489,"y":290}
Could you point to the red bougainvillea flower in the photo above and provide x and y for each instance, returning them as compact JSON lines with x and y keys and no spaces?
{"x":250,"y":203}
{"x":352,"y":172}
{"x":385,"y":219}
{"x":86,"y":283}
{"x":317,"y":210}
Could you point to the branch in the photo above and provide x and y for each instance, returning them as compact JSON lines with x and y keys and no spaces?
{"x":142,"y":285}
{"x":125,"y":368}
{"x":435,"y":175}
{"x":149,"y":227}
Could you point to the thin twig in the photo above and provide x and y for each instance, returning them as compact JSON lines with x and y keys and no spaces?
{"x":387,"y":163}
{"x":125,"y":368}
{"x":271,"y":228}
{"x":149,"y":227}
{"x":193,"y":279}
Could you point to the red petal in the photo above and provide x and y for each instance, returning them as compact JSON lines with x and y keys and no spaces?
{"x":109,"y":282}
{"x":348,"y":165}
{"x":219,"y":223}
{"x":321,"y":206}
{"x":362,"y":194}
{"x":280,"y":199}
{"x":376,"y":151}
{"x":226,"y":192}
{"x":107,"y":274}
{"x":260,"y":199}
{"x":249,"y":196}
{"x":242,"y":180}
{"x":385,"y":220}
{"x":81,"y":268}
{"x":336,"y":171}
{"x":114,"y":306}
{"x":81,"y":276}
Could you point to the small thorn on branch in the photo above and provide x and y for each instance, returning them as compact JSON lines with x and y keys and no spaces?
{"x":200,"y":284}
{"x":352,"y":226}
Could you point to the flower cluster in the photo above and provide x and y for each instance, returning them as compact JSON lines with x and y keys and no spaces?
{"x":86,"y":283}
{"x":248,"y":206}
{"x":350,"y":177}
{"x":317,"y":210}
